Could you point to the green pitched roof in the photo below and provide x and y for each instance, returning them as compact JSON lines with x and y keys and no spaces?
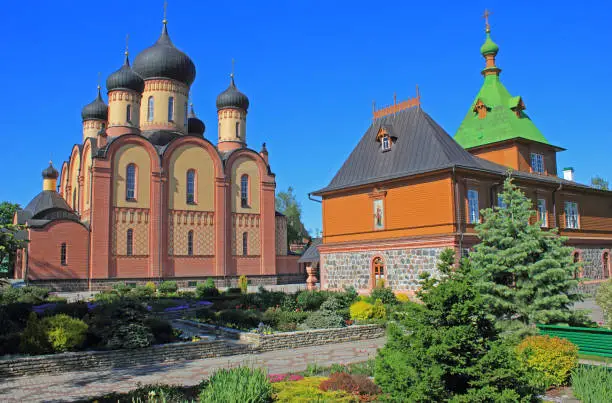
{"x":501,"y":121}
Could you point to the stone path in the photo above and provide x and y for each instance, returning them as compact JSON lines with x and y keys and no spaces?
{"x":80,"y":385}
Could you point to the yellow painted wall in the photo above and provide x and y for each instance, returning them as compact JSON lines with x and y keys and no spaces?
{"x":86,"y":180}
{"x":161,"y":91}
{"x":416,"y":207}
{"x":251,"y":225}
{"x":117,"y":108}
{"x":183,"y":159}
{"x":75,"y":165}
{"x":91,"y":128}
{"x":132,"y":153}
{"x":241,"y":166}
{"x":227,"y":125}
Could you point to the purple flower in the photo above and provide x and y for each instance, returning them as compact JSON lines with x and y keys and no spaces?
{"x":91,"y":305}
{"x":43,"y":307}
{"x":203,"y":303}
{"x":176,"y":308}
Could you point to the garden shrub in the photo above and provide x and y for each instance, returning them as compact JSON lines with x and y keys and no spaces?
{"x":604,"y":300}
{"x":28,"y":295}
{"x":243,"y":283}
{"x":307,"y":390}
{"x":162,"y":330}
{"x":323,"y":320}
{"x":378,"y":310}
{"x":310,"y":300}
{"x":237,"y":385}
{"x":119,"y":325}
{"x":107,"y":297}
{"x":122,"y":289}
{"x":356,"y":384}
{"x":142,"y":291}
{"x":65,"y":333}
{"x":282,"y":320}
{"x":386,"y":295}
{"x":167,"y":287}
{"x":238,"y":318}
{"x":209,"y":283}
{"x":151,"y":286}
{"x":34,"y":339}
{"x":76,"y":310}
{"x":592,"y":384}
{"x":205,"y":290}
{"x":9,"y":343}
{"x":130,"y":336}
{"x":549,"y":360}
{"x":361,"y":310}
{"x":233,"y":291}
{"x":402,"y":298}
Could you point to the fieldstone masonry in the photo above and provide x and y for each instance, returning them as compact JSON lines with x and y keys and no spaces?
{"x":402,"y":268}
{"x":592,"y":263}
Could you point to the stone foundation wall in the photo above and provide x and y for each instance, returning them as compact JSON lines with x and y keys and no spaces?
{"x":592,"y":262}
{"x":251,"y":343}
{"x":402,"y":268}
{"x":182,"y":282}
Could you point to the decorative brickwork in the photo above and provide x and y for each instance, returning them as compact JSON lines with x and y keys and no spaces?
{"x":248,"y":223}
{"x":203,"y":227}
{"x":402,"y":268}
{"x":138,"y":221}
{"x":166,"y":86}
{"x":281,"y":236}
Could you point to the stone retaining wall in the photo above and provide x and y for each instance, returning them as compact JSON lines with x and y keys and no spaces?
{"x":250,"y":343}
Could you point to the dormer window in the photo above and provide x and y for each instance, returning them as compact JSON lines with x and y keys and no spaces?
{"x":537,"y":163}
{"x":517,"y":105}
{"x":385,"y":139}
{"x":386,"y":143}
{"x":481,"y":109}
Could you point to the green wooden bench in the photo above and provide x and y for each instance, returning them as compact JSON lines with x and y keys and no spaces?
{"x":590,"y":341}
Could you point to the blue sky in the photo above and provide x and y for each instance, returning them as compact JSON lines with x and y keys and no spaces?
{"x":311,"y":70}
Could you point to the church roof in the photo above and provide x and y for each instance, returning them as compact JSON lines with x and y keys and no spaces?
{"x":47,"y":206}
{"x":420,"y":145}
{"x":312,"y":253}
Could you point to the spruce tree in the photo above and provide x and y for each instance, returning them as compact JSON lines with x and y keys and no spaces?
{"x":526,"y":273}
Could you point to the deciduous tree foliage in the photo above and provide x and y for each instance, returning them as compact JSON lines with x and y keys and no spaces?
{"x":8,"y":242}
{"x":287,"y":204}
{"x":599,"y":182}
{"x":526,"y":273}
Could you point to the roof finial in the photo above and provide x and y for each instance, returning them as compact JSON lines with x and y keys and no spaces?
{"x":127,"y":44}
{"x":165,"y":20}
{"x":486,"y":15}
{"x":233,"y":68}
{"x":191,"y":111}
{"x":99,"y":80}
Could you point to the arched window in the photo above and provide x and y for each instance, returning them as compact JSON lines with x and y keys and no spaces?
{"x":129,"y":243}
{"x":245,"y":244}
{"x":191,"y":186}
{"x":171,"y":109}
{"x":378,"y":271}
{"x":128,"y":113}
{"x":150,"y":109}
{"x":577,"y":270}
{"x":63,"y":254}
{"x":244,"y":191}
{"x":190,"y":243}
{"x":186,"y":114}
{"x":130,"y":182}
{"x":237,"y":130}
{"x":606,"y":264}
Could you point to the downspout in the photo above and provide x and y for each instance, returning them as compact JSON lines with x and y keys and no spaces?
{"x":90,"y":220}
{"x":457,"y":213}
{"x":160,"y":226}
{"x":554,"y":200}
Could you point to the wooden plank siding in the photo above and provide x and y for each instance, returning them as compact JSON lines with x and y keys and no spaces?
{"x":412,"y":208}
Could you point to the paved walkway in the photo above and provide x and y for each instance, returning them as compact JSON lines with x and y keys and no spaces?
{"x":80,"y":385}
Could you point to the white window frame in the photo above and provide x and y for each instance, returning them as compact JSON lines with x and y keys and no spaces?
{"x":542,"y":213}
{"x":473,"y":207}
{"x":386,"y":143}
{"x":537,"y":163}
{"x":572,"y":218}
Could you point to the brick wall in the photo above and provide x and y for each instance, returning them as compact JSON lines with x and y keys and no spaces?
{"x":251,"y":344}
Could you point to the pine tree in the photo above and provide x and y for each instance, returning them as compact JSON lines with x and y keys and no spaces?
{"x":526,"y":272}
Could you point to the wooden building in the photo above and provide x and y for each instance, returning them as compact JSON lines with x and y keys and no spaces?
{"x":408,"y":191}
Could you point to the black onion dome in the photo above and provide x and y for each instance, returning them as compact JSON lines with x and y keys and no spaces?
{"x":164,"y":60}
{"x":125,"y":78}
{"x":50,"y":172}
{"x":232,"y":98}
{"x":95,"y":110}
{"x":194,"y":125}
{"x":160,"y":137}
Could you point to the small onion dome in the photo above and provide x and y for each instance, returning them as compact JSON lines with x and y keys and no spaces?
{"x":95,"y":110}
{"x":194,"y":125}
{"x":232,"y":98}
{"x":50,"y":172}
{"x":489,"y":47}
{"x":125,"y":79}
{"x":163,"y":60}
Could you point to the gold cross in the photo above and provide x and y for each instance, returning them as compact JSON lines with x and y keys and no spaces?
{"x":233,"y":67}
{"x":127,"y":42}
{"x":165,"y":12}
{"x":99,"y":80}
{"x":486,"y":15}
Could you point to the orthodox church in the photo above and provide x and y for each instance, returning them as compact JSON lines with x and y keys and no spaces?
{"x":409,"y":190}
{"x":146,"y":196}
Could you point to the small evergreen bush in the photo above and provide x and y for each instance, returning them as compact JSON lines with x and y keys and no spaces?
{"x":378,"y":310}
{"x":205,"y":290}
{"x":592,"y":384}
{"x":209,"y":283}
{"x":167,"y":287}
{"x":550,"y":360}
{"x":285,"y":321}
{"x":355,"y":384}
{"x":29,"y":295}
{"x":238,"y":318}
{"x":307,"y":390}
{"x":161,"y":330}
{"x":143,"y":291}
{"x":64,"y":332}
{"x":107,"y":297}
{"x":310,"y":300}
{"x":361,"y":310}
{"x":402,"y":298}
{"x":604,"y":300}
{"x":243,"y":283}
{"x":151,"y":286}
{"x":34,"y":339}
{"x":237,"y":385}
{"x":130,"y":336}
{"x":384,"y":294}
{"x":76,"y":310}
{"x":122,"y":289}
{"x":323,"y":320}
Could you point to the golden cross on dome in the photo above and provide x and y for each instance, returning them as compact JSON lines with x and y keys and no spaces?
{"x":99,"y":80}
{"x":165,"y":20}
{"x":127,"y":43}
{"x":486,"y":15}
{"x":233,"y":67}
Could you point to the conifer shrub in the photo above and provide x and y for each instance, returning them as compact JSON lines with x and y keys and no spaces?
{"x":361,"y":310}
{"x":354,"y":384}
{"x":329,"y":316}
{"x":311,"y":300}
{"x":209,"y":283}
{"x":549,"y":360}
{"x":107,"y":297}
{"x":64,"y":332}
{"x":378,"y":310}
{"x":167,"y":287}
{"x":142,"y":292}
{"x":34,"y":339}
{"x":243,"y":283}
{"x":285,"y":321}
{"x":151,"y":286}
{"x":27,"y":295}
{"x":76,"y":310}
{"x":402,"y":298}
{"x":307,"y":390}
{"x":384,"y":294}
{"x":122,"y":289}
{"x":205,"y":290}
{"x":237,"y":385}
{"x":604,"y":300}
